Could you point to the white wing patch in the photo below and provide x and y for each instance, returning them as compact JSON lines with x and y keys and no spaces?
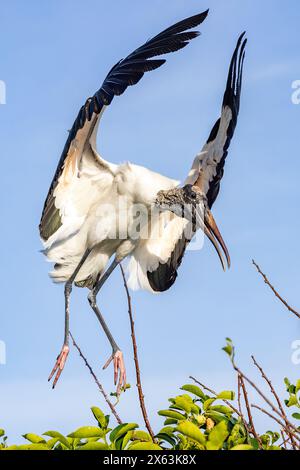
{"x":85,"y":178}
{"x":205,"y":164}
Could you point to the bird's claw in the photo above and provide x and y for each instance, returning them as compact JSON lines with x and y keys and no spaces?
{"x":60,"y":364}
{"x":119,"y":370}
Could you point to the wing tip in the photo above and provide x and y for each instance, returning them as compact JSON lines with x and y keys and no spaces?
{"x":234,"y":80}
{"x":204,"y":14}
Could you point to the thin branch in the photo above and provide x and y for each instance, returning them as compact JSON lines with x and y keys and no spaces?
{"x":284,"y":440}
{"x":243,"y":386}
{"x":239,"y":397}
{"x":136,"y":360}
{"x":263,"y":396}
{"x":253,"y":385}
{"x":264,"y":376}
{"x":281,"y":423}
{"x":290,"y":309}
{"x":111,"y":406}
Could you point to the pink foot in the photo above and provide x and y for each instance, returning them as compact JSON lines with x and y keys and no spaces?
{"x":119,"y":370}
{"x":60,"y":364}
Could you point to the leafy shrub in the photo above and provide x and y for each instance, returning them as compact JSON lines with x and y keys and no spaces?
{"x":194,"y":420}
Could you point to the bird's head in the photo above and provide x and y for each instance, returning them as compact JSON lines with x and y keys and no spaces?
{"x":190,"y":202}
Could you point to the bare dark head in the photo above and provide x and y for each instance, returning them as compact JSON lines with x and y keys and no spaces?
{"x":180,"y":200}
{"x":190,"y":202}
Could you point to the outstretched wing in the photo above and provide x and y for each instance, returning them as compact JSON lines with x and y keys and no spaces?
{"x":208,"y":168}
{"x":82,"y":137}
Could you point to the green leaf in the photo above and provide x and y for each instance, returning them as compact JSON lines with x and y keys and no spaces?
{"x":296,"y":415}
{"x":141,"y":436}
{"x":183,"y":441}
{"x":265,"y":439}
{"x":229,"y":348}
{"x":292,"y":389}
{"x":31,"y":447}
{"x":126,"y":439}
{"x":51,"y":442}
{"x":184,"y":402}
{"x":194,"y":390}
{"x":166,"y":437}
{"x":99,"y":416}
{"x":254,"y":443}
{"x":226,"y":395}
{"x":292,"y":401}
{"x":2,"y":432}
{"x":87,"y":431}
{"x":34,"y":438}
{"x":167,"y":430}
{"x":172,"y":414}
{"x":275,"y":436}
{"x":170,"y":421}
{"x":222,"y":409}
{"x":297,"y":385}
{"x":207,"y":403}
{"x":217,"y":436}
{"x":287,"y":382}
{"x":119,"y":442}
{"x":62,"y":439}
{"x":237,"y":435}
{"x":195,"y":409}
{"x":144,"y":446}
{"x":242,"y":447}
{"x":121,"y":430}
{"x":191,"y":431}
{"x":93,"y":446}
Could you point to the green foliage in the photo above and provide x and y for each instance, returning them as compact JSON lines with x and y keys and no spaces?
{"x":294,"y":395}
{"x":229,"y":349}
{"x":194,"y":421}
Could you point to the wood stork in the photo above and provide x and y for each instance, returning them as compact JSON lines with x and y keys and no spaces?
{"x":91,"y":201}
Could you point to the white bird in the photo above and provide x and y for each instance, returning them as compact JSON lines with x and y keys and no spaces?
{"x":96,"y":210}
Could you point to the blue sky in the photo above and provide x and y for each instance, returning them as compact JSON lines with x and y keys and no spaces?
{"x":53,"y":55}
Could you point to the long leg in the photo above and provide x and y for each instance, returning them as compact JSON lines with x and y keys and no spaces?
{"x":117,"y":355}
{"x":62,"y":357}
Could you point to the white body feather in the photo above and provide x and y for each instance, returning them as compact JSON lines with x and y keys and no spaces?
{"x":95,"y":206}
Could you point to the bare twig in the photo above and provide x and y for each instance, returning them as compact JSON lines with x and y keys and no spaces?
{"x":239,"y":397}
{"x":210,"y":390}
{"x":281,"y":408}
{"x":136,"y":360}
{"x":111,"y":406}
{"x":263,"y":396}
{"x":253,"y":385}
{"x":284,"y":440}
{"x":243,"y":386}
{"x":281,"y":423}
{"x":290,"y":309}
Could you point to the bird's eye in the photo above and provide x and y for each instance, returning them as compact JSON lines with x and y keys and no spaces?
{"x":190,"y":193}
